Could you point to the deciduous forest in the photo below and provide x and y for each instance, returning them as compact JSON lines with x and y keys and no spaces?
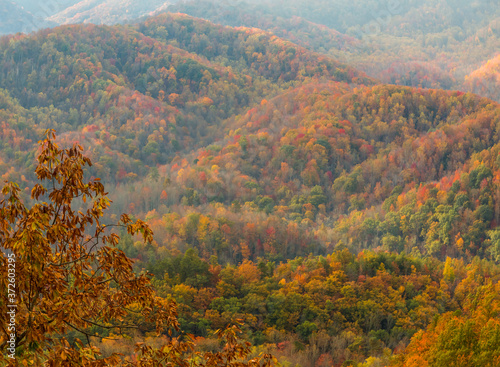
{"x":299,"y":187}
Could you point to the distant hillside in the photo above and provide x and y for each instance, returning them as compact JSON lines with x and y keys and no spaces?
{"x":142,"y":94}
{"x":45,"y":8}
{"x":107,"y":11}
{"x":486,"y":79}
{"x":415,"y":43}
{"x":14,"y":19}
{"x":339,"y":217}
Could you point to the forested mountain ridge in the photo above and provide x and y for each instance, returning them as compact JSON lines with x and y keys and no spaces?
{"x":107,"y":11}
{"x":167,"y":86}
{"x":414,"y":43}
{"x":14,"y":18}
{"x":486,"y":79}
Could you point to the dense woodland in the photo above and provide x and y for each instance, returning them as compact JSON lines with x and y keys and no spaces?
{"x":346,"y":221}
{"x":415,"y":43}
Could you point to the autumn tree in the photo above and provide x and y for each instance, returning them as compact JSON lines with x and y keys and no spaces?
{"x":68,"y":273}
{"x":70,"y":276}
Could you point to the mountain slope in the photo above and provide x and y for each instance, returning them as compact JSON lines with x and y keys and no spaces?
{"x":107,"y":11}
{"x":335,"y":215}
{"x":46,"y":8}
{"x":415,"y":43}
{"x":323,"y":155}
{"x":486,"y":79}
{"x":14,"y":19}
{"x":144,"y":98}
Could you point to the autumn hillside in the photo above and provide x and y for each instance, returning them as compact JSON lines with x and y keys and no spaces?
{"x":345,"y":167}
{"x":138,"y":95}
{"x":105,"y":11}
{"x":352,"y":220}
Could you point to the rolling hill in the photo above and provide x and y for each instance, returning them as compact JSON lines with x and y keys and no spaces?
{"x":341,"y":163}
{"x":107,"y":11}
{"x":46,"y":8}
{"x":421,"y":44}
{"x":162,"y":81}
{"x":424,"y":43}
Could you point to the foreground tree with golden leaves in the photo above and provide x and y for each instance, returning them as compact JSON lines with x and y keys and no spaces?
{"x":61,"y":271}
